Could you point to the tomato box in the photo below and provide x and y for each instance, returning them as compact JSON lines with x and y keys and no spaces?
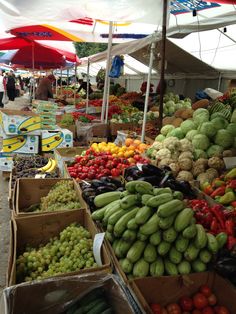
{"x":39,"y":229}
{"x":29,"y":192}
{"x":52,"y":139}
{"x":15,"y":122}
{"x":56,"y":295}
{"x":166,"y":290}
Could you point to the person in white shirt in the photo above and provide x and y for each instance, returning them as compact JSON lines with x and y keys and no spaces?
{"x":2,"y":88}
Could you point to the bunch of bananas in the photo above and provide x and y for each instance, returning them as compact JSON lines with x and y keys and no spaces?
{"x":50,"y":166}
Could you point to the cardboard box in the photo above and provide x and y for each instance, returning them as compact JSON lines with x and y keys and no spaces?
{"x":6,"y":163}
{"x":15,"y":122}
{"x":29,"y":192}
{"x":38,"y":229}
{"x":70,"y":288}
{"x":56,"y":139}
{"x":114,"y":127}
{"x":66,"y":154}
{"x":165,"y":290}
{"x":25,"y":144}
{"x":100,"y":129}
{"x":71,"y":128}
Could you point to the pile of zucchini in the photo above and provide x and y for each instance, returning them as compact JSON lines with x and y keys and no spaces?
{"x":153,"y":233}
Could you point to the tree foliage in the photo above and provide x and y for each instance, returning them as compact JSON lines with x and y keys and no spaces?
{"x":88,"y":49}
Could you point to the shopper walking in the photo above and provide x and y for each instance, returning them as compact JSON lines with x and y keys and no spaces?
{"x":44,"y":90}
{"x":2,"y":88}
{"x":11,"y":86}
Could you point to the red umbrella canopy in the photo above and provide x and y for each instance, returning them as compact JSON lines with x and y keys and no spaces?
{"x":32,"y":54}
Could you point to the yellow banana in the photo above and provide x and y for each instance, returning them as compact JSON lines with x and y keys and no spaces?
{"x":30,"y":124}
{"x":51,"y":145}
{"x":13,"y":143}
{"x":56,"y":137}
{"x":53,"y":166}
{"x":47,"y":166}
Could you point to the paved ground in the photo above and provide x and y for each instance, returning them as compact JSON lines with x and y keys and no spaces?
{"x":5,"y":212}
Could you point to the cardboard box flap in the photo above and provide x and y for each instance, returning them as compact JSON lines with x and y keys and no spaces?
{"x":21,"y":113}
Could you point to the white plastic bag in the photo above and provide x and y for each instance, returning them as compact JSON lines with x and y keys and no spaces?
{"x":5,"y":99}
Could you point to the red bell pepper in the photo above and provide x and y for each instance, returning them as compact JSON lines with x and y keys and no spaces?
{"x":208,"y":190}
{"x":231,"y":184}
{"x":214,"y":226}
{"x":217,"y":212}
{"x":233,"y":204}
{"x":218,"y":192}
{"x":230,"y":227}
{"x":231,"y":242}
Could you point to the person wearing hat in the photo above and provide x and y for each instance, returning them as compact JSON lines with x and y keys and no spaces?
{"x":44,"y":89}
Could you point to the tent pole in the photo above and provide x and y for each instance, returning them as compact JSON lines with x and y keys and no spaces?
{"x":219,"y":82}
{"x":163,"y":52}
{"x":61,"y":83}
{"x":67,"y":78}
{"x":87,"y":89}
{"x":56,"y":82}
{"x":107,"y":100}
{"x":33,"y":66}
{"x":107,"y":71}
{"x":75,"y":83}
{"x":147,"y":92}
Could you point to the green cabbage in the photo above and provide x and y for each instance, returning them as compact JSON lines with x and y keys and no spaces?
{"x":208,"y":129}
{"x":224,"y":138}
{"x":191,"y":134}
{"x":232,"y":128}
{"x":176,"y":133}
{"x":199,"y":153}
{"x":187,"y":126}
{"x":219,"y":123}
{"x":201,"y":115}
{"x":160,"y":138}
{"x":150,"y":151}
{"x":201,"y":141}
{"x":166,"y":129}
{"x":214,"y":150}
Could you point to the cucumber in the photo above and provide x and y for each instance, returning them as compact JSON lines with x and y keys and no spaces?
{"x":110,"y":211}
{"x":143,"y":214}
{"x":178,"y":195}
{"x":110,"y":228}
{"x":170,"y":268}
{"x":181,"y":244}
{"x":111,"y":206}
{"x":212,"y":243}
{"x":175,"y":256}
{"x":158,"y":200}
{"x":112,"y":220}
{"x":98,"y":308}
{"x":120,"y":225}
{"x":170,"y":208}
{"x":157,"y":268}
{"x":106,"y":198}
{"x":126,"y":266}
{"x":98,"y":214}
{"x":136,"y":251}
{"x":129,"y":201}
{"x":150,"y":226}
{"x":191,"y":253}
{"x":183,"y":219}
{"x":184,"y":268}
{"x":109,"y":236}
{"x":129,"y":235}
{"x":131,"y":186}
{"x":163,"y":248}
{"x":145,"y":198}
{"x":90,"y":305}
{"x":150,"y":253}
{"x":198,"y":266}
{"x":131,"y":225}
{"x":159,"y":191}
{"x":122,"y":248}
{"x":205,"y":256}
{"x":141,"y":237}
{"x":190,"y":232}
{"x":166,"y":223}
{"x":155,"y":238}
{"x":201,"y":237}
{"x":143,"y":187}
{"x":221,"y":239}
{"x":169,"y":235}
{"x":115,"y":243}
{"x":141,"y":268}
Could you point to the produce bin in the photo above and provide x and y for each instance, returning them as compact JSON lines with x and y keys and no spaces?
{"x":29,"y":192}
{"x":166,"y":290}
{"x":38,"y":229}
{"x":114,"y":127}
{"x":100,"y":129}
{"x":55,"y":295}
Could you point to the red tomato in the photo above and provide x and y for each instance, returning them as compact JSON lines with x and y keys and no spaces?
{"x":106,"y":172}
{"x":156,"y":308}
{"x":83,"y":176}
{"x":186,"y":303}
{"x":200,"y":301}
{"x":205,"y":290}
{"x":208,"y":310}
{"x":115,"y":172}
{"x":137,"y":157}
{"x":196,"y":312}
{"x":173,"y":308}
{"x":221,"y":310}
{"x":212,"y":299}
